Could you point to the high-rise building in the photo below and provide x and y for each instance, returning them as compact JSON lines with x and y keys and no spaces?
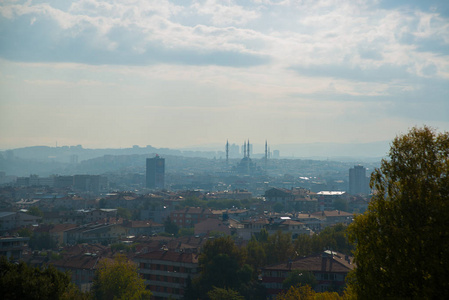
{"x":358,"y":182}
{"x":155,"y":178}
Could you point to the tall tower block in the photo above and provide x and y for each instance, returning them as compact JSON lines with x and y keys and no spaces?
{"x":155,"y":173}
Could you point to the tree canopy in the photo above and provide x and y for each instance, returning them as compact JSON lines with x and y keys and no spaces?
{"x":298,"y":277}
{"x":20,"y":281}
{"x":223,"y":266}
{"x":402,"y":240}
{"x":119,"y":279}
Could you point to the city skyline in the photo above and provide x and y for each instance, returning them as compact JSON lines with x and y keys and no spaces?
{"x":179,"y":74}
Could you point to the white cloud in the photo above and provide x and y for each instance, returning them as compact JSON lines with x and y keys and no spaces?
{"x":225,"y":12}
{"x":313,"y":59}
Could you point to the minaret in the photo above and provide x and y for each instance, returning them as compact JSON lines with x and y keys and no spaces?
{"x":266,"y":153}
{"x":244,"y":149}
{"x":227,"y":152}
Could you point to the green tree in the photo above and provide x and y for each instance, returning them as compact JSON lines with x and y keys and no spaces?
{"x":224,"y":294}
{"x":279,"y":247}
{"x":262,"y":236}
{"x":25,"y":232}
{"x":341,"y":204}
{"x":306,"y":293}
{"x":222,"y":265}
{"x":42,"y":241}
{"x":297,"y":277}
{"x":297,"y":293}
{"x":124,"y":213}
{"x":186,"y":232}
{"x":194,"y":202}
{"x":35,"y":211}
{"x":278,"y":207}
{"x":20,"y":281}
{"x":256,"y":256}
{"x":402,"y":240}
{"x":171,"y":227}
{"x":118,"y":279}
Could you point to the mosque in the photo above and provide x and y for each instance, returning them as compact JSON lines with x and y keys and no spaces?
{"x":246,"y":166}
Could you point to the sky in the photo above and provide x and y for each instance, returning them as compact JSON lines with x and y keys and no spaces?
{"x":184,"y":73}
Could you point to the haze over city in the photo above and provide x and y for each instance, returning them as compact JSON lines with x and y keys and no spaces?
{"x":186,"y":73}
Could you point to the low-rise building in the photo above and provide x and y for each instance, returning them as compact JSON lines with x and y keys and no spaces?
{"x":333,"y":217}
{"x":297,"y":199}
{"x":147,"y":227}
{"x":166,"y":273}
{"x":329,"y":268}
{"x":95,"y":233}
{"x":190,"y":216}
{"x":212,"y":225}
{"x":13,"y":220}
{"x":327,"y":199}
{"x":272,"y":225}
{"x":13,"y":246}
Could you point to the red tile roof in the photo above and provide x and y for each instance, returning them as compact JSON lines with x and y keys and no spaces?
{"x":172,"y":256}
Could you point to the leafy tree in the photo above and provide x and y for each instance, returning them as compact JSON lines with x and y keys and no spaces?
{"x":297,"y":277}
{"x":278,"y":207}
{"x":222,"y":265}
{"x":124,"y":213}
{"x":35,"y":211}
{"x":224,"y":294}
{"x":102,"y":203}
{"x":253,"y":290}
{"x":194,"y":202}
{"x":256,"y":256}
{"x":279,"y":247}
{"x":297,"y":293}
{"x":306,"y":293}
{"x":334,"y":237}
{"x":20,"y":281}
{"x":341,"y":204}
{"x":25,"y":232}
{"x":186,"y":232}
{"x":42,"y":241}
{"x":262,"y":236}
{"x":118,"y":279}
{"x":74,"y":293}
{"x":171,"y":227}
{"x":402,"y":240}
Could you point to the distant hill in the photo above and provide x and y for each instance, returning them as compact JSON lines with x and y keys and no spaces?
{"x":69,"y":160}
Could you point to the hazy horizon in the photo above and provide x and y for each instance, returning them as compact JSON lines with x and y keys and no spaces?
{"x":178,"y":74}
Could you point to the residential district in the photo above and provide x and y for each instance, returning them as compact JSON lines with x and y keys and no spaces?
{"x":163,"y":218}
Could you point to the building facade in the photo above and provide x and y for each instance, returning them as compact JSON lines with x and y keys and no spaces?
{"x":155,"y":173}
{"x":358,"y":182}
{"x":329,"y":268}
{"x":167,"y":273}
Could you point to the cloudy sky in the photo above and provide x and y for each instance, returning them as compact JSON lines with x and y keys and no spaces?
{"x":182,"y":73}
